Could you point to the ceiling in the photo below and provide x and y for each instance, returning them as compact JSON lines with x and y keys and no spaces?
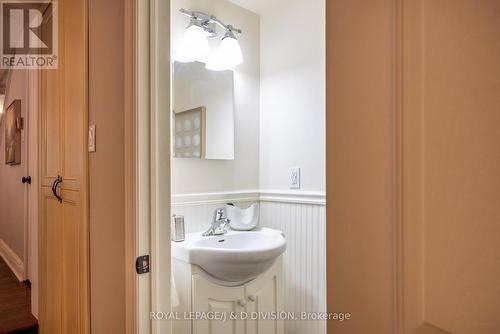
{"x":258,"y":6}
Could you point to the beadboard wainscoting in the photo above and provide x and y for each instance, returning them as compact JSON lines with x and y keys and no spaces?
{"x":304,"y":261}
{"x":302,"y":218}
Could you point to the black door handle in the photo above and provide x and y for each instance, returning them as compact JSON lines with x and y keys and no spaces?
{"x":56,"y":183}
{"x":26,"y":179}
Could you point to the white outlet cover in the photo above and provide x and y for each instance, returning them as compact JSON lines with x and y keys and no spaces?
{"x":294,"y":177}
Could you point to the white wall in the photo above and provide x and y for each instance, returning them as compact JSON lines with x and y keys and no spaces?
{"x":242,"y":173}
{"x":12,"y":191}
{"x":292,"y":110}
{"x":292,"y":134}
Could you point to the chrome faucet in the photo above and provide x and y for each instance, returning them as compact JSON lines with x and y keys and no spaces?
{"x":219,"y":223}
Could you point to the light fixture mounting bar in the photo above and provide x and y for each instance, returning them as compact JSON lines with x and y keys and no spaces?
{"x":208,"y":19}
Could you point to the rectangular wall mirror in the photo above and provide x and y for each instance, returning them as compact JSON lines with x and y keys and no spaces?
{"x":203,"y":116}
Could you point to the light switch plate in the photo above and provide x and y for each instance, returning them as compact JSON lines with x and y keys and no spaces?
{"x":92,"y":138}
{"x":294,"y":177}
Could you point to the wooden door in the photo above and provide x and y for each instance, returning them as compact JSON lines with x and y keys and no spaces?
{"x":209,"y":297}
{"x":64,"y":273}
{"x":450,"y":163}
{"x":413,"y":166}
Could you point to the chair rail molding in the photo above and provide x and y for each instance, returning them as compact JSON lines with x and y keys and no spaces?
{"x":280,"y":196}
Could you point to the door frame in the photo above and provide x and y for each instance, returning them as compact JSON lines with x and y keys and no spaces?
{"x":31,"y":233}
{"x":147,"y":159}
{"x":27,"y":128}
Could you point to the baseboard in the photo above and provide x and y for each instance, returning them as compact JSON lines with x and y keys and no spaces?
{"x":297,"y":196}
{"x":13,"y":261}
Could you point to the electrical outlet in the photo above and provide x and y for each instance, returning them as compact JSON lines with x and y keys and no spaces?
{"x":294,"y":177}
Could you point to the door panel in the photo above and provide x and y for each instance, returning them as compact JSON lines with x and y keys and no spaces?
{"x":460,"y":160}
{"x":50,"y":286}
{"x":209,"y":297}
{"x":72,"y":260}
{"x":50,"y":134}
{"x":263,"y":296}
{"x":442,"y":180}
{"x":64,"y":273}
{"x":360,"y":167}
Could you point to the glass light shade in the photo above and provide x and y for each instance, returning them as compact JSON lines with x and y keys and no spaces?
{"x":215,"y":63}
{"x":227,"y":56}
{"x":194,"y":45}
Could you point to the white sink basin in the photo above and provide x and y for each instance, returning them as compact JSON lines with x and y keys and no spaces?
{"x":236,"y":256}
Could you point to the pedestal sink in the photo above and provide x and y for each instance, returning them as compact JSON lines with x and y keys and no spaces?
{"x":236,"y":256}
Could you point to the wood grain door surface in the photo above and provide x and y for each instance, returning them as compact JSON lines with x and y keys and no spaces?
{"x":64,"y":269}
{"x":414,"y":166}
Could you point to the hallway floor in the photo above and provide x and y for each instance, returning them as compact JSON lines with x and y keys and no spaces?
{"x":15,"y":304}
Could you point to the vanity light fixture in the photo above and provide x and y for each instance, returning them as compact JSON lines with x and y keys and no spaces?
{"x":195,"y":47}
{"x":227,"y":55}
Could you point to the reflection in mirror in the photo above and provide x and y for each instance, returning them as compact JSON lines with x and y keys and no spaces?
{"x":203,"y":122}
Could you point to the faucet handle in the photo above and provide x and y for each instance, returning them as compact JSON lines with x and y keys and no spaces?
{"x":219,"y":223}
{"x":227,"y":221}
{"x":219,"y":214}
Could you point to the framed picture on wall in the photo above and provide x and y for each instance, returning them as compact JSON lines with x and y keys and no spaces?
{"x":13,"y":127}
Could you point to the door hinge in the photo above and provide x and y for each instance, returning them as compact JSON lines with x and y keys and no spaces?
{"x":142,"y":264}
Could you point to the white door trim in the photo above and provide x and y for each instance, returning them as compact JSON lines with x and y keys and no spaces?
{"x":131,"y":178}
{"x":160,"y":160}
{"x":31,"y":246}
{"x":26,"y":137}
{"x":147,"y":156}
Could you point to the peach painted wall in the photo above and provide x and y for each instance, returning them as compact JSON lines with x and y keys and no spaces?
{"x":106,"y":166}
{"x":359,"y":139}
